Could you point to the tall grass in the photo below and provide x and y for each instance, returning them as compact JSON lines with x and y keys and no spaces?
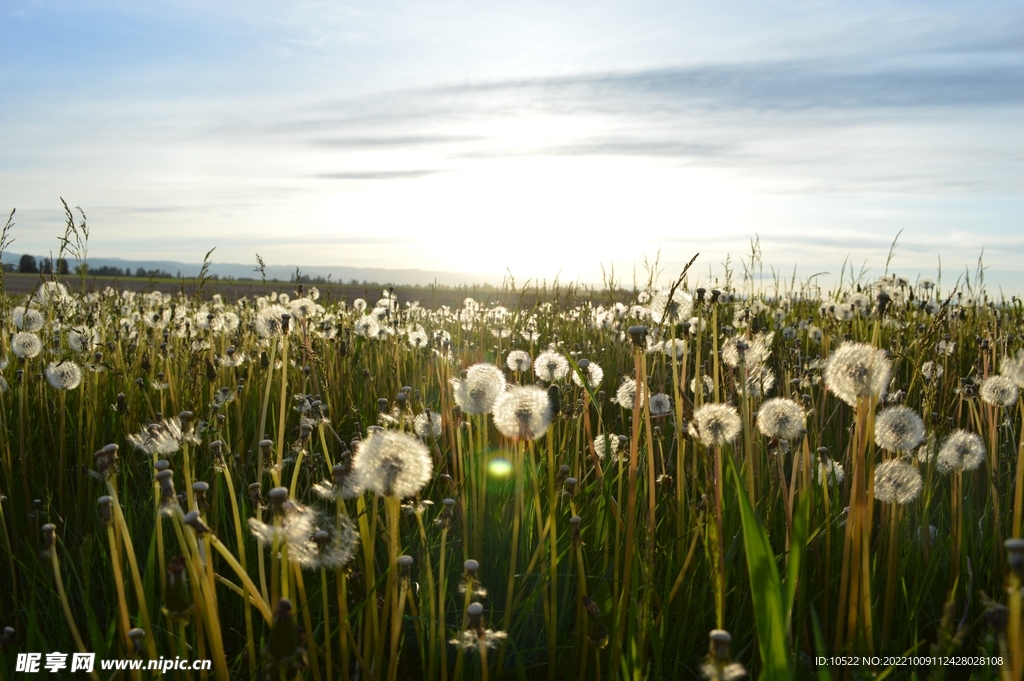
{"x":233,"y":522}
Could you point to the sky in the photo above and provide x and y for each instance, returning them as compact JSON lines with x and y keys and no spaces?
{"x":539,"y":138}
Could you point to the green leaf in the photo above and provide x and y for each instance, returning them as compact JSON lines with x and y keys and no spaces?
{"x":766,"y":589}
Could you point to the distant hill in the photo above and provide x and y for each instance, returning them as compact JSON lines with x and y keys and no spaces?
{"x":339,"y":274}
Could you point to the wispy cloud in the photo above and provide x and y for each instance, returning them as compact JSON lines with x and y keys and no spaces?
{"x":377,"y":175}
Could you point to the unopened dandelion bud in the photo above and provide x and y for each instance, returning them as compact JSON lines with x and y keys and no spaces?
{"x":720,"y":640}
{"x":217,"y":450}
{"x":255,"y":497}
{"x":161,"y":465}
{"x":570,"y":486}
{"x":6,"y":637}
{"x":106,"y":512}
{"x":998,"y":617}
{"x":278,"y":497}
{"x":715,"y":293}
{"x":165,"y":479}
{"x":304,"y":431}
{"x":382,"y":404}
{"x":105,"y":460}
{"x":49,"y":536}
{"x":264,"y":360}
{"x":193,"y":520}
{"x":199,"y":490}
{"x":583,"y":364}
{"x":563,"y":473}
{"x":574,"y":522}
{"x":638,"y":334}
{"x":177,"y":599}
{"x":883,"y":302}
{"x":401,"y":399}
{"x":471,"y":566}
{"x":1015,"y":556}
{"x":265,"y":446}
{"x":19,"y":376}
{"x":282,"y":652}
{"x":137,"y":636}
{"x":404,"y":568}
{"x":475,"y":613}
{"x":322,"y":539}
{"x":140,"y":383}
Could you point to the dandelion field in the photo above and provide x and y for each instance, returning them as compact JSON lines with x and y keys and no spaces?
{"x":704,"y":479}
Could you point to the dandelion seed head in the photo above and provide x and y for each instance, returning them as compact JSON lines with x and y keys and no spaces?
{"x":961,"y":451}
{"x":857,"y":370}
{"x":999,"y":391}
{"x":518,"y":360}
{"x":660,"y":404}
{"x":392,"y":463}
{"x":1013,"y":368}
{"x":715,"y":424}
{"x":477,"y":392}
{"x":427,"y":425}
{"x":593,"y":374}
{"x":671,"y":306}
{"x":898,"y":429}
{"x":522,"y":412}
{"x":550,"y":366}
{"x":607,"y":445}
{"x":897,"y":482}
{"x":64,"y":375}
{"x":754,"y":352}
{"x":26,"y":345}
{"x":626,"y":395}
{"x":781,"y":418}
{"x":932,"y":370}
{"x":29,"y":319}
{"x":473,"y":640}
{"x":831,"y":472}
{"x":268,"y":321}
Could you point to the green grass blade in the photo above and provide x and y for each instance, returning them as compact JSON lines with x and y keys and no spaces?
{"x":766,"y":591}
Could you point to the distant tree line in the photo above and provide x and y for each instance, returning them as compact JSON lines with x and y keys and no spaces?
{"x":29,"y":265}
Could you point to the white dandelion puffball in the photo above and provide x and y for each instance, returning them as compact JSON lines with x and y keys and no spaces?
{"x":671,"y":308}
{"x":518,"y":360}
{"x":660,"y":404}
{"x":476,"y":393}
{"x":962,"y":451}
{"x":781,"y":418}
{"x":1013,"y":368}
{"x":550,"y":366}
{"x":427,"y":424}
{"x":625,"y":396}
{"x":522,"y":412}
{"x":831,"y":472}
{"x":898,"y":429}
{"x":269,"y":322}
{"x":897,"y":482}
{"x":392,"y":463}
{"x":857,"y":370}
{"x":26,"y":345}
{"x":593,"y":374}
{"x":607,"y":445}
{"x":27,"y":319}
{"x":999,"y":391}
{"x":715,"y":424}
{"x":65,"y":375}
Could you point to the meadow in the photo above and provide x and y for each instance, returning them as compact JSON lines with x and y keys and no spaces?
{"x":708,"y":478}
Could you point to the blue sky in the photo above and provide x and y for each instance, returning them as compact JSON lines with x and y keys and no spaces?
{"x":540,"y":137}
